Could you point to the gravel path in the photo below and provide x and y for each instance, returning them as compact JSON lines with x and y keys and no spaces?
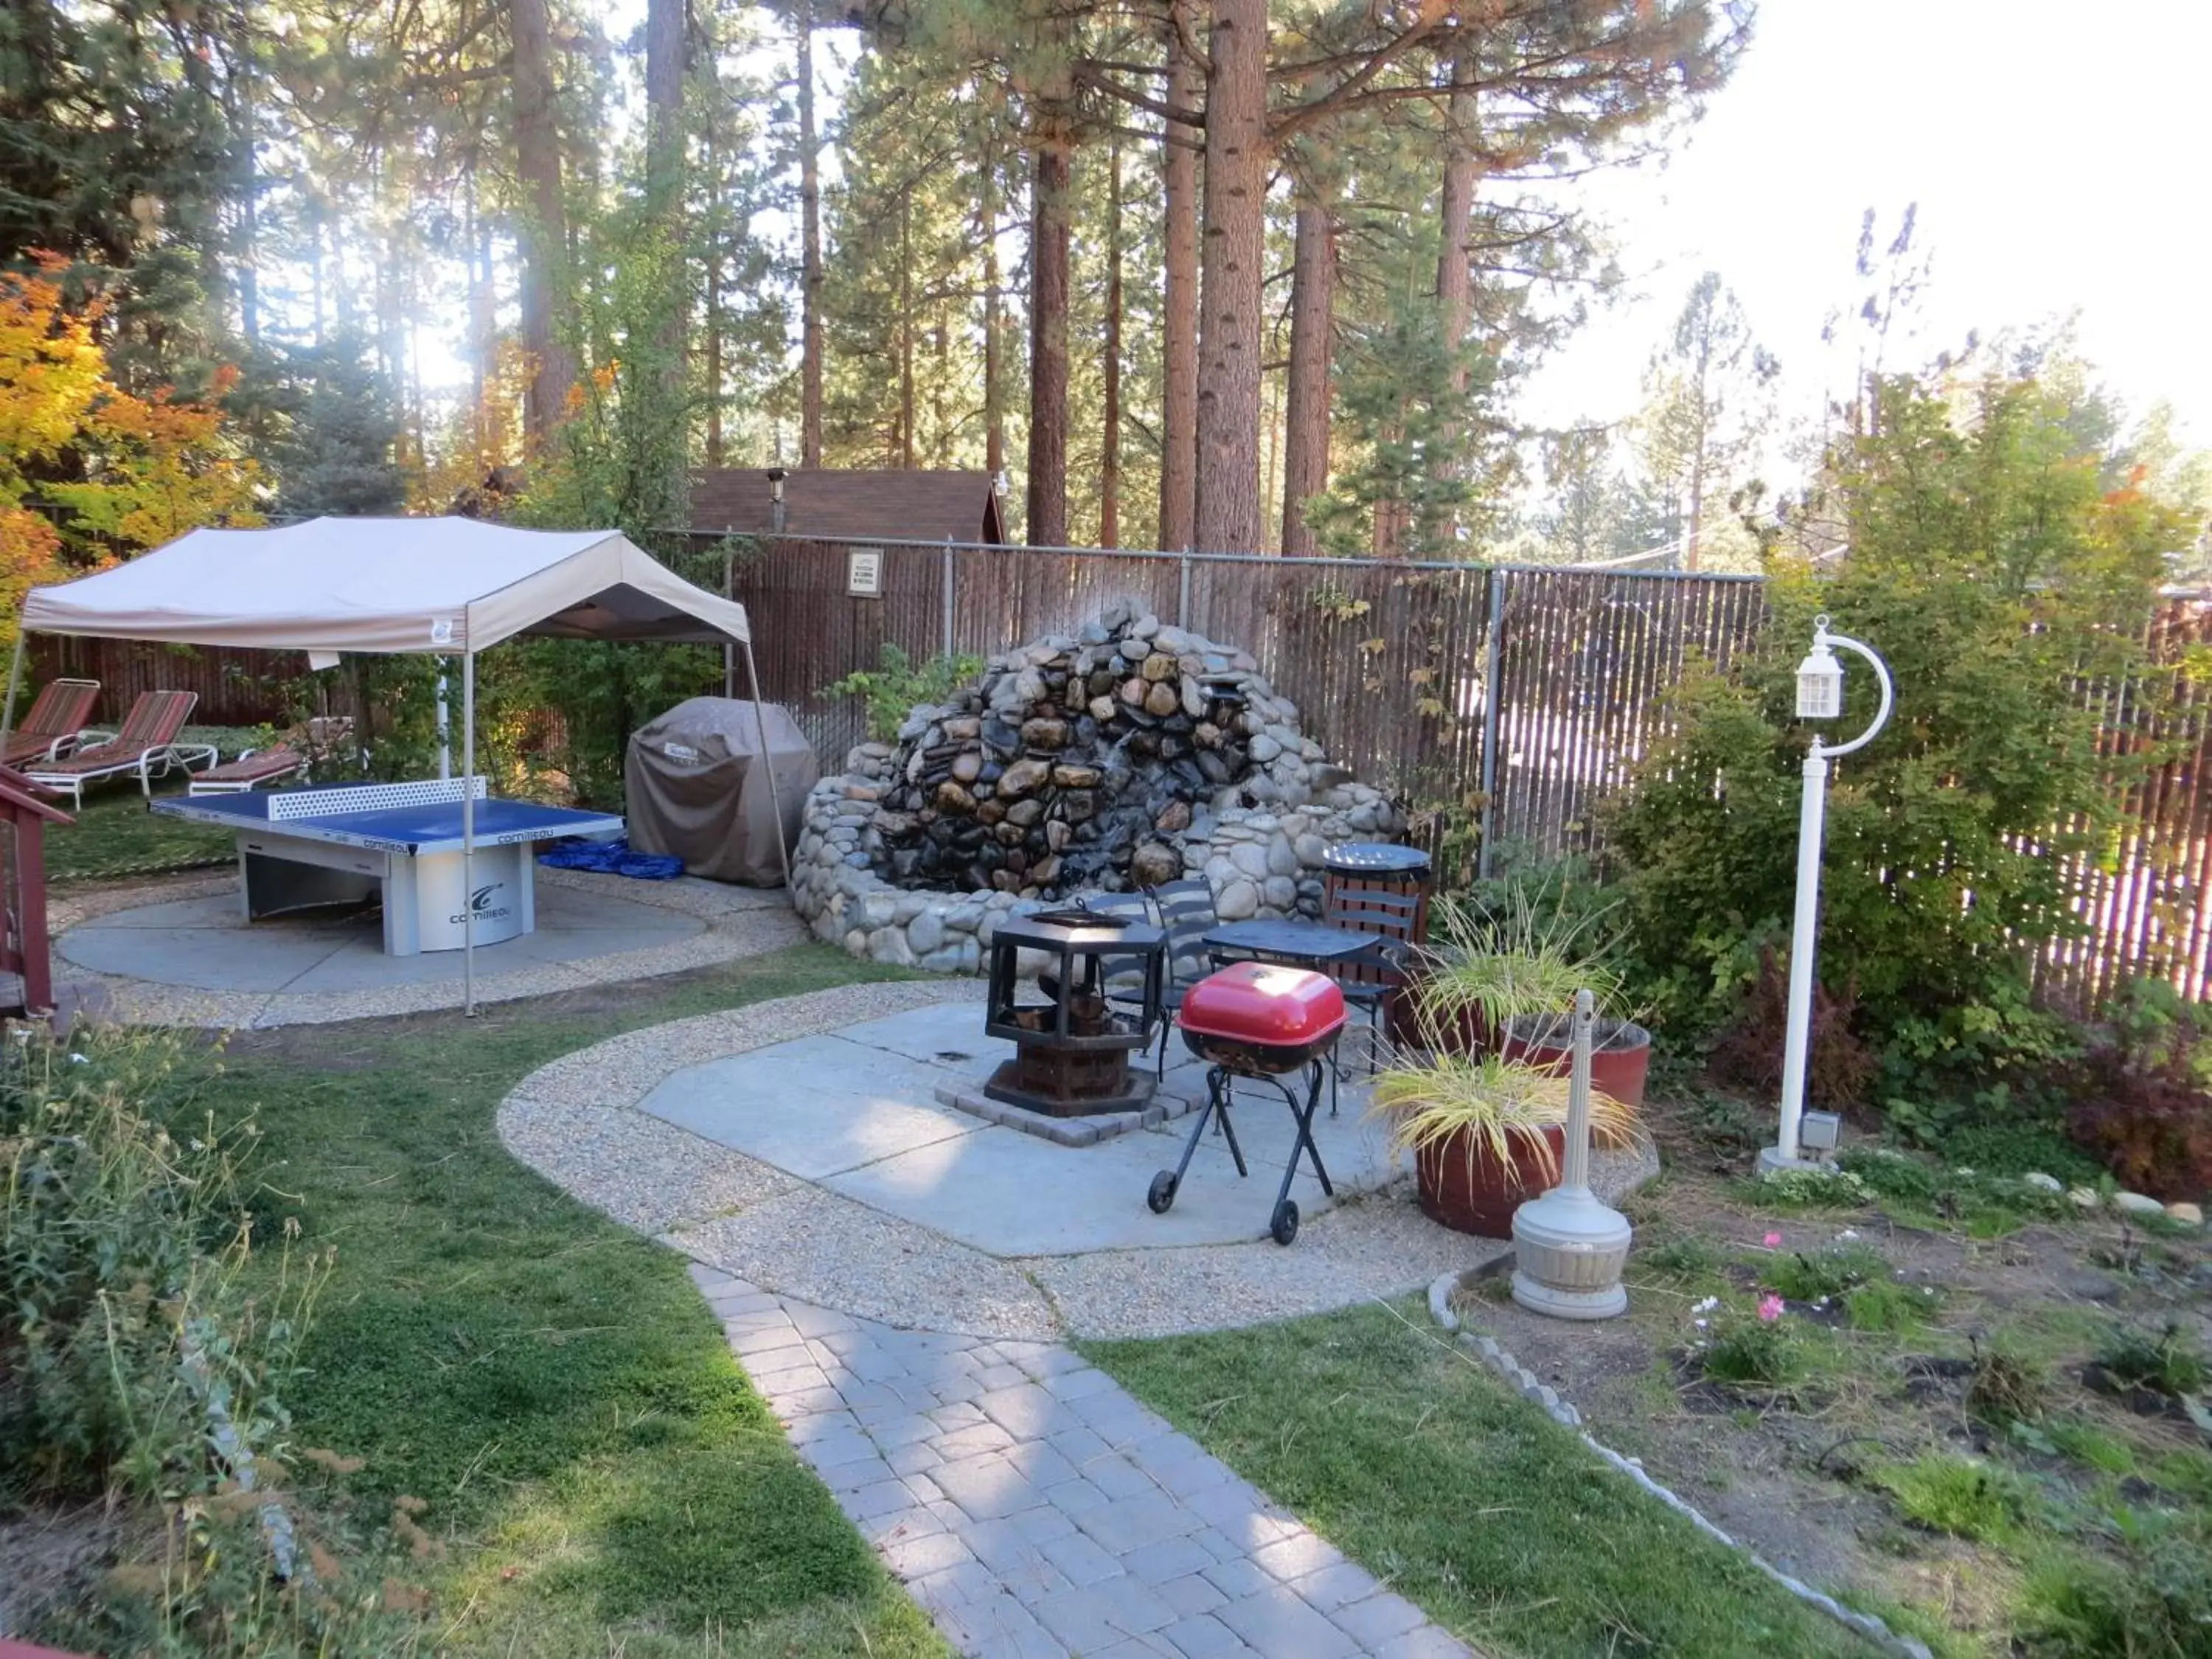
{"x":1034,"y":1508}
{"x":739,"y":922}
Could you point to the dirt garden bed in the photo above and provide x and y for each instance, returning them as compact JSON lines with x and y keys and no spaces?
{"x":1953,"y":1399}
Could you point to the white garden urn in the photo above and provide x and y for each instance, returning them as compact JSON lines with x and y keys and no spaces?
{"x":1568,"y":1248}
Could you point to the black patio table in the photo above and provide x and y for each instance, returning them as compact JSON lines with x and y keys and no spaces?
{"x":1302,"y":943}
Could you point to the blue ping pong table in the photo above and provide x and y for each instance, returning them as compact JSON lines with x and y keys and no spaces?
{"x":303,"y":847}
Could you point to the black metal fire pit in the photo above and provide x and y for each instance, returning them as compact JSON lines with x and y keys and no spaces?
{"x":1072,"y":1049}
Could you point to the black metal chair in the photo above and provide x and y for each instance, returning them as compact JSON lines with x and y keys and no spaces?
{"x":1185,"y":911}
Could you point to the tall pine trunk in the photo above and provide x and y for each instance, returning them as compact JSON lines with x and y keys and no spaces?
{"x":906,"y":329}
{"x":1109,"y":445}
{"x":810,"y":230}
{"x":713,"y":341}
{"x":545,"y":235}
{"x":1049,"y":238}
{"x":1185,"y":87}
{"x":1313,"y":310}
{"x":994,"y":371}
{"x":663,"y":179}
{"x":1454,"y":280}
{"x":1228,"y":512}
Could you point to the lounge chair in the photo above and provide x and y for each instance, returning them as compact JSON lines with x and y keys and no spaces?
{"x":147,"y":744}
{"x":50,"y":729}
{"x":252,"y":769}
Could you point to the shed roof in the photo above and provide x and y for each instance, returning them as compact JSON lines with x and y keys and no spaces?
{"x":849,"y":504}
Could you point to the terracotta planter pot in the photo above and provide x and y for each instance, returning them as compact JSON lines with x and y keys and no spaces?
{"x":1480,"y":1195}
{"x":1618,"y":1061}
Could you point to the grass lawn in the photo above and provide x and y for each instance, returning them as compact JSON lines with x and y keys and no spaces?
{"x":115,"y":837}
{"x":604,"y":1478}
{"x":1409,"y":1456}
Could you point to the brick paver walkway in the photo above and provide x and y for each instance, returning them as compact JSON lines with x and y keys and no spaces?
{"x":1036,"y":1510}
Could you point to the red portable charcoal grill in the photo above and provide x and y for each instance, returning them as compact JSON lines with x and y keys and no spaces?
{"x":1260,"y":1021}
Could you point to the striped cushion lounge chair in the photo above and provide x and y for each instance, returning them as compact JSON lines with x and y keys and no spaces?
{"x":253,"y":769}
{"x":50,"y":731}
{"x":147,"y":744}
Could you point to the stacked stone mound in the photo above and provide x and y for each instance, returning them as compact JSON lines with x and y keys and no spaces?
{"x":1073,"y":759}
{"x":1129,"y":755}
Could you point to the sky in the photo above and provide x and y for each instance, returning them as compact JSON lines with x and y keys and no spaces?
{"x":2058,"y":154}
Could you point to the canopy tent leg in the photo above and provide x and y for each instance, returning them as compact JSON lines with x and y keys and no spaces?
{"x":14,"y":683}
{"x":767,"y":759}
{"x":468,"y":834}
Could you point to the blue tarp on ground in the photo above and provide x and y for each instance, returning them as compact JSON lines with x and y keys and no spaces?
{"x":612,"y":858}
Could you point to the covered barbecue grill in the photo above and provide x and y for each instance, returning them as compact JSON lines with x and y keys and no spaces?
{"x":698,"y":787}
{"x":1264,"y":1022}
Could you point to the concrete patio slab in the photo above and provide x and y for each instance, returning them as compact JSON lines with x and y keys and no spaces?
{"x":179,"y":952}
{"x":204,"y":942}
{"x":812,"y":1108}
{"x":859,"y":1112}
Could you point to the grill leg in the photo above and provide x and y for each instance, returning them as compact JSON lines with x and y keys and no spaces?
{"x":1305,"y":1143}
{"x":1216,"y":1101}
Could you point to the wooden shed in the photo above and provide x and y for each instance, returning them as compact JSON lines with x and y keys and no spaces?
{"x":843,"y":504}
{"x":23,"y":944}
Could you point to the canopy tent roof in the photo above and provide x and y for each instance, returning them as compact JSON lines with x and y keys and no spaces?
{"x":386,"y":585}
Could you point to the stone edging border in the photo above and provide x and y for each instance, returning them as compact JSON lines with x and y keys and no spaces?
{"x":731,"y":930}
{"x":1524,"y":1383}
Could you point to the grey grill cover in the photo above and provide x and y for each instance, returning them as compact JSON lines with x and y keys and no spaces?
{"x":697,"y":788}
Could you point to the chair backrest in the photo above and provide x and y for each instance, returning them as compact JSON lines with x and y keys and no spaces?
{"x":1120,"y":973}
{"x":1392,"y":917}
{"x":62,"y":707}
{"x":1186,"y":912}
{"x":155,"y":718}
{"x":1369,"y":910}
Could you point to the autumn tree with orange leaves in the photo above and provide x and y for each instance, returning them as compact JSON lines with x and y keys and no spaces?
{"x":90,"y":473}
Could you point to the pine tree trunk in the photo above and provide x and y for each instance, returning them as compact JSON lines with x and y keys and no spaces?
{"x":906,"y":329}
{"x":249,"y":192}
{"x":1313,"y":305}
{"x":1049,"y":237}
{"x":1185,"y":87}
{"x":664,"y":177}
{"x":664,"y":103}
{"x":1455,"y":282}
{"x":994,"y":373}
{"x":810,"y":229}
{"x":714,"y":278}
{"x":545,"y":235}
{"x":1228,"y":511}
{"x":1109,"y":445}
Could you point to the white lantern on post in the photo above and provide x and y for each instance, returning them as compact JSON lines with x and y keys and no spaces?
{"x":1820,"y":697}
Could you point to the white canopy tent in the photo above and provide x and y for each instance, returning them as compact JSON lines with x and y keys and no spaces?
{"x":443,"y":587}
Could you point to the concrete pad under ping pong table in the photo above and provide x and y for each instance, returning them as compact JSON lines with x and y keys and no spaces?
{"x":204,"y":943}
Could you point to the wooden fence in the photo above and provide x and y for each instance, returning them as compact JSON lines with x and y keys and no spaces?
{"x":1502,"y":703}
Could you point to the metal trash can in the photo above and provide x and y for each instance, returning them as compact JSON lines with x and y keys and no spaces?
{"x":1368,"y":866}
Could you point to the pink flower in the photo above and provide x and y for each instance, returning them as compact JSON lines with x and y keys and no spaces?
{"x":1770,"y":1308}
{"x":1772,"y":1241}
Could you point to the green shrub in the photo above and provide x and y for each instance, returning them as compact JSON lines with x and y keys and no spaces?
{"x":1995,"y":570}
{"x":130,"y":1322}
{"x":1824,"y":1274}
{"x":1809,"y":1189}
{"x":2153,"y":1596}
{"x":1961,"y":1496}
{"x":2170,"y":1362}
{"x":1885,"y":1305}
{"x":2006,"y":1386}
{"x":1743,"y":1347}
{"x":893,"y":687}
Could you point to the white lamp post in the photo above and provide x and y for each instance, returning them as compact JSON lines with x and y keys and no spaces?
{"x":1820,"y":697}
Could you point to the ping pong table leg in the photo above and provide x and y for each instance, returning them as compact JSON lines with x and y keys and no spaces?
{"x":403,"y":934}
